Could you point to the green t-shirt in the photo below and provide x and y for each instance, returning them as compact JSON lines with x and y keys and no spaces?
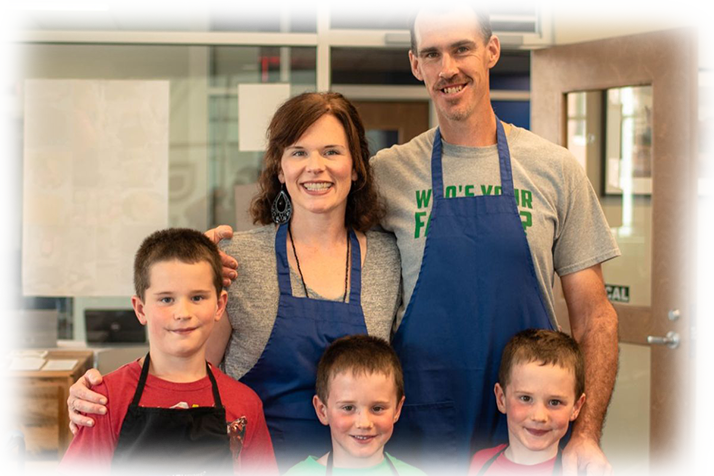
{"x":310,"y":467}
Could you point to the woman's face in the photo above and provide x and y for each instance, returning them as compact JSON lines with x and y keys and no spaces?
{"x":317,"y":169}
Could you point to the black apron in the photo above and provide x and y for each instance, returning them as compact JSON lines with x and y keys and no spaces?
{"x":173,"y":441}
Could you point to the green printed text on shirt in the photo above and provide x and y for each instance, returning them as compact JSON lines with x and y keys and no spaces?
{"x":422,"y":217}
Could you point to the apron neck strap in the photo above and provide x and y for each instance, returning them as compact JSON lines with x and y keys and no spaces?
{"x":283,"y":268}
{"x":214,"y":386}
{"x":356,"y":271}
{"x":145,"y":372}
{"x":504,"y":160}
{"x":330,"y":464}
{"x":557,"y":466}
{"x":281,"y":256}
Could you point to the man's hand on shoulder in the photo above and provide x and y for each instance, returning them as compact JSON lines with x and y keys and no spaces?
{"x":584,"y":456}
{"x":224,"y":232}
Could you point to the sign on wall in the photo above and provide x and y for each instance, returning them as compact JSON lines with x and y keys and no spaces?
{"x":617,"y":293}
{"x":95,"y":182}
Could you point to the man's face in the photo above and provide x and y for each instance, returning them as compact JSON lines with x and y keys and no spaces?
{"x":453,"y":60}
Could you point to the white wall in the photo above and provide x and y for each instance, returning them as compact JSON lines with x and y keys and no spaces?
{"x":581,"y":20}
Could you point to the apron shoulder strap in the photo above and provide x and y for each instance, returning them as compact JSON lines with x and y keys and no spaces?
{"x":504,"y":159}
{"x":142,"y":381}
{"x":387,"y":457}
{"x":216,"y":394}
{"x":145,"y":372}
{"x":281,"y":258}
{"x":492,"y":460}
{"x":390,"y":462}
{"x":356,"y":269}
{"x":558,"y":466}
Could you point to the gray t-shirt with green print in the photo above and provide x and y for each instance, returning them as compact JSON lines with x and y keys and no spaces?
{"x":561,"y":215}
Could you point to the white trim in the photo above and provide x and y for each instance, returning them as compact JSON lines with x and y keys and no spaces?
{"x":498,"y":18}
{"x":706,"y":79}
{"x":401,"y":38}
{"x":333,"y":38}
{"x":367,"y":38}
{"x":323,"y":61}
{"x":505,"y":95}
{"x":412,"y":93}
{"x":170,"y":38}
{"x":545,"y":24}
{"x":284,"y":51}
{"x":382,"y":93}
{"x":323,"y":38}
{"x":705,"y":187}
{"x":58,"y":6}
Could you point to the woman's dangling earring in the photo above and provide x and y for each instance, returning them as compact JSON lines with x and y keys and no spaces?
{"x":282,"y":209}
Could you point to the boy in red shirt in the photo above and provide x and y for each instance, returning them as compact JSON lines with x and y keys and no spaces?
{"x":171,"y":412}
{"x":540,"y":390}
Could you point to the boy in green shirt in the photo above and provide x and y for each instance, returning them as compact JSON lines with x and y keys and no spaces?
{"x":360,"y":393}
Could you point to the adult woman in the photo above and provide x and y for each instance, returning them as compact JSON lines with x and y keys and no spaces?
{"x":318,"y":276}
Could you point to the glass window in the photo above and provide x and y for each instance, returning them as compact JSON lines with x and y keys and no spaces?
{"x":517,"y":113}
{"x":177,"y":15}
{"x":388,"y":66}
{"x":512,"y":72}
{"x":231,"y":170}
{"x":205,"y":165}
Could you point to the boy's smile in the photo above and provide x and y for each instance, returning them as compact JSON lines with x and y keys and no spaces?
{"x":179,"y":308}
{"x":361,"y":411}
{"x":539,"y":403}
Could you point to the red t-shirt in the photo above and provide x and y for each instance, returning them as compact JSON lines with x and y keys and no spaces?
{"x":503,"y":465}
{"x":252,"y":448}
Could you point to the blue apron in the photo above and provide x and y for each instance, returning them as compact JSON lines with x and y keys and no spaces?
{"x":284,"y":375}
{"x":476,"y":288}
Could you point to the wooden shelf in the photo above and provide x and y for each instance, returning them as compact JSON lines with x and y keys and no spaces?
{"x":42,"y":403}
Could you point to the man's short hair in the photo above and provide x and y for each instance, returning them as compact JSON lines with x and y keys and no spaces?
{"x":361,"y":355}
{"x":182,"y":244}
{"x":547,"y":348}
{"x":482,"y":14}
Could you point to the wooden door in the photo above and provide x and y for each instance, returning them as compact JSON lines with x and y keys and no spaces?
{"x":392,"y":122}
{"x":666,"y":61}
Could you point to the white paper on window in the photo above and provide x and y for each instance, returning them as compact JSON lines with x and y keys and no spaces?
{"x":95,"y":182}
{"x":256,"y":105}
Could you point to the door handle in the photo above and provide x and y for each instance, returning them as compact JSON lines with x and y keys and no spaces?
{"x":671,"y":340}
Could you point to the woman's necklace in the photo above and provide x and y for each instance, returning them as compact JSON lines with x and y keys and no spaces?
{"x":347,"y":264}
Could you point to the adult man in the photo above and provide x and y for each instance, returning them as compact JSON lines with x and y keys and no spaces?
{"x":476,"y":278}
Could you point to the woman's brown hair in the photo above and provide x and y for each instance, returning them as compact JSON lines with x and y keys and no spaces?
{"x":290,"y":122}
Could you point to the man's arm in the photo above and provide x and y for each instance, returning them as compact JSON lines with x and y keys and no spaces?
{"x":593,"y":323}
